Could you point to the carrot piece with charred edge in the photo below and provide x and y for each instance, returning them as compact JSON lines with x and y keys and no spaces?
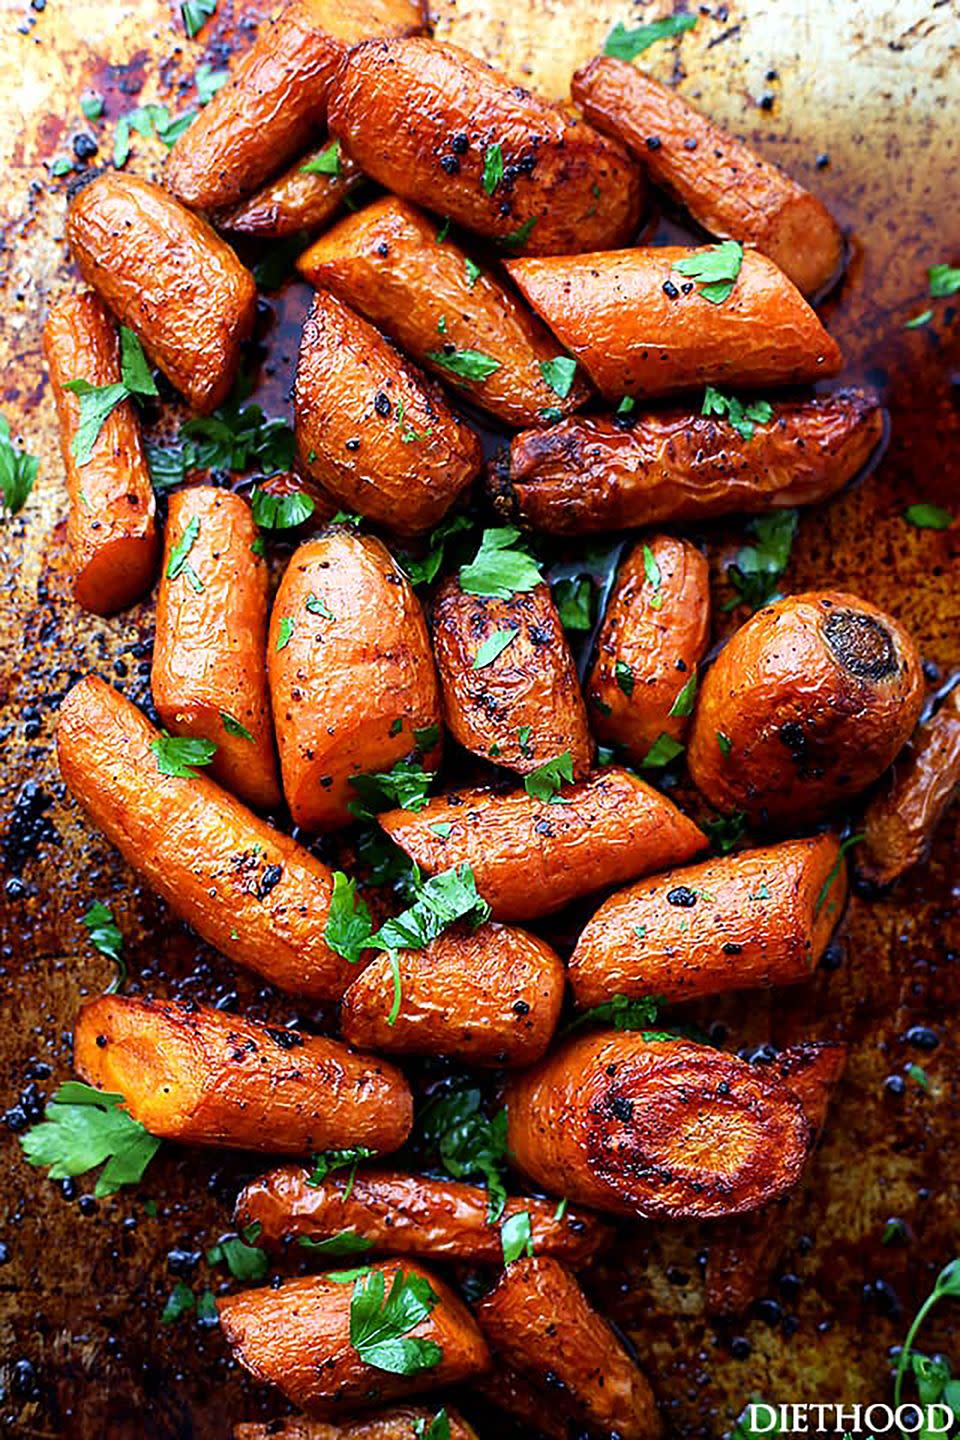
{"x":591,"y":473}
{"x":247,"y":889}
{"x":409,"y":1215}
{"x":743,"y":1251}
{"x":491,"y":996}
{"x":390,"y":1425}
{"x":539,"y":1320}
{"x":530,"y":857}
{"x":762,"y":917}
{"x":524,"y":705}
{"x":208,"y":677}
{"x":372,"y":429}
{"x":656,"y":1128}
{"x":385,"y":262}
{"x":193,"y":1073}
{"x":725,"y":185}
{"x":901,"y":819}
{"x":532,"y":175}
{"x":297,"y":1337}
{"x":632,"y":337}
{"x":515,"y":1395}
{"x":655,"y":631}
{"x":298,"y":199}
{"x":167,"y":274}
{"x":111,"y":527}
{"x":351,"y":674}
{"x":275,"y":100}
{"x":813,"y":696}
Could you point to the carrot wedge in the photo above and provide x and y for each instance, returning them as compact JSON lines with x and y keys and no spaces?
{"x":530,"y":857}
{"x":655,"y":1127}
{"x":763,"y":917}
{"x":405,"y":1214}
{"x":302,"y":198}
{"x":398,"y":1424}
{"x":251,"y":891}
{"x":639,"y":328}
{"x":725,"y":185}
{"x":192,"y":1073}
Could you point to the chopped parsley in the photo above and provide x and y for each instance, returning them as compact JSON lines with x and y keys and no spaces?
{"x":327,"y":1161}
{"x":520,"y":236}
{"x":624,"y":677}
{"x":574,"y":602}
{"x":493,"y":647}
{"x":831,"y":879}
{"x":208,"y":81}
{"x":465,"y":364}
{"x":284,"y":632}
{"x":558,"y":374}
{"x":346,"y":1242}
{"x":18,"y":471}
{"x":438,"y":903}
{"x":663,"y":750}
{"x":406,"y":785}
{"x":195,"y":14}
{"x":756,"y":571}
{"x":380,"y":1323}
{"x":179,"y":562}
{"x":626,"y":44}
{"x":91,"y":105}
{"x":928,"y":517}
{"x":325,"y":162}
{"x":683,"y":705}
{"x":281,"y":512}
{"x":492,"y":168}
{"x":423,"y":571}
{"x":148,"y":121}
{"x":715,"y":269}
{"x":548,"y":779}
{"x":654,"y":577}
{"x":621,"y":1012}
{"x":97,"y":402}
{"x":469,"y":1145}
{"x":105,"y":937}
{"x":244,"y":1261}
{"x":233,"y":726}
{"x":84,"y":1128}
{"x":177,"y":754}
{"x":500,"y":568}
{"x":743,"y":418}
{"x":436,"y":1429}
{"x":473,"y":272}
{"x":944,"y":281}
{"x":516,"y":1237}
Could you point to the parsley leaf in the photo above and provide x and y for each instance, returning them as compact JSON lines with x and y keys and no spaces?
{"x":244,"y":1261}
{"x":379,"y":1322}
{"x":626,"y":44}
{"x":148,"y":121}
{"x":325,"y":162}
{"x":492,"y":168}
{"x":349,"y":924}
{"x":743,"y":418}
{"x":715,"y":269}
{"x":624,"y":677}
{"x":621,"y":1012}
{"x":106,"y":938}
{"x":284,"y":632}
{"x":661,"y":752}
{"x":468,"y":1144}
{"x":327,"y":1161}
{"x":915,"y":323}
{"x":758,"y":567}
{"x":18,"y":471}
{"x":725,"y":831}
{"x":208,"y":81}
{"x":441,"y":900}
{"x":180,"y":1302}
{"x":944,"y":281}
{"x":347,"y":1242}
{"x":520,"y":236}
{"x":195,"y":13}
{"x":724,"y":742}
{"x":574,"y":602}
{"x":177,"y":754}
{"x":683,"y":705}
{"x":516,"y":1237}
{"x":281,"y":512}
{"x":835,"y":869}
{"x":97,"y":402}
{"x":473,"y":272}
{"x":179,"y":564}
{"x":499,"y":569}
{"x":928,"y":517}
{"x":423,"y":571}
{"x":82,"y":1129}
{"x":654,"y":577}
{"x":233,"y":726}
{"x":465,"y":364}
{"x":406,"y":785}
{"x":545,"y":782}
{"x":494,"y":646}
{"x":239,"y":438}
{"x":558,"y":374}
{"x":91,"y":105}
{"x":436,"y":1429}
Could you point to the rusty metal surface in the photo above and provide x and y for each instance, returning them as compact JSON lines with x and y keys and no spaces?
{"x":869,"y":85}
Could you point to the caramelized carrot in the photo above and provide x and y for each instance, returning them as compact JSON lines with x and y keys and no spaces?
{"x":298,"y":1338}
{"x":275,"y":99}
{"x":655,"y":631}
{"x":407,"y":1215}
{"x":539,"y":1320}
{"x":386,"y":263}
{"x":807,"y":704}
{"x":111,"y":529}
{"x":518,"y":1397}
{"x":301,"y":198}
{"x":372,"y":429}
{"x":521,"y":704}
{"x":389,"y":1425}
{"x":725,"y":185}
{"x":164,"y":272}
{"x":351,"y":674}
{"x":530,"y":857}
{"x":251,"y":891}
{"x":591,"y":472}
{"x":655,"y":1127}
{"x":489,"y":996}
{"x":634,"y":337}
{"x":763,"y":917}
{"x":441,"y":128}
{"x":208,"y":678}
{"x":196,"y":1074}
{"x":901,"y":819}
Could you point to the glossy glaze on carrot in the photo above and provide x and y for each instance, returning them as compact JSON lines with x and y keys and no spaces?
{"x":298,"y":199}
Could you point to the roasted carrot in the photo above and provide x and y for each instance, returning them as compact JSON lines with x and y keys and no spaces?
{"x":407,"y":1215}
{"x":901,"y":819}
{"x":530,"y":857}
{"x":298,"y":1338}
{"x":592,"y":472}
{"x":251,"y":891}
{"x":436,"y":303}
{"x":372,"y":429}
{"x":275,"y":99}
{"x":655,"y":631}
{"x":439,"y":127}
{"x":192,"y":1073}
{"x":301,"y":198}
{"x":744,"y":1250}
{"x":539,"y":1321}
{"x":351,"y":675}
{"x":389,"y":1425}
{"x":209,"y":678}
{"x":167,"y":274}
{"x":806,"y":705}
{"x":639,"y":328}
{"x":514,"y":699}
{"x":111,"y":529}
{"x":517,"y":1396}
{"x":655,"y":1127}
{"x":489,"y":996}
{"x":725,"y":185}
{"x":763,"y":917}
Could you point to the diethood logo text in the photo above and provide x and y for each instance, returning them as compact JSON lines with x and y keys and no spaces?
{"x":869,"y":1421}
